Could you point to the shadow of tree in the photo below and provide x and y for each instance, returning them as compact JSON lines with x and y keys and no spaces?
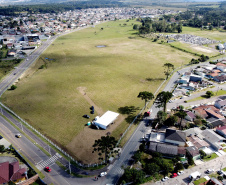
{"x":154,"y":79}
{"x":128,"y":110}
{"x":130,"y":118}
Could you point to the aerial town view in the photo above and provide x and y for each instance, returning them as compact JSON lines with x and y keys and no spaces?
{"x":112,"y":92}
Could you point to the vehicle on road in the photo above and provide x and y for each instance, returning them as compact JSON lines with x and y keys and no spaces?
{"x":209,"y":171}
{"x":14,"y":74}
{"x":195,"y":175}
{"x":180,"y":172}
{"x":174,"y":175}
{"x":221,"y":173}
{"x":18,"y":135}
{"x":103,"y":174}
{"x":47,"y":169}
{"x":165,"y":179}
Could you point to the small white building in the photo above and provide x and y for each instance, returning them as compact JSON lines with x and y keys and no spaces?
{"x":106,"y":119}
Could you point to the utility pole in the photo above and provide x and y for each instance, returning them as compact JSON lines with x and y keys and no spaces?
{"x":69,"y":166}
{"x":49,"y":151}
{"x":221,"y":166}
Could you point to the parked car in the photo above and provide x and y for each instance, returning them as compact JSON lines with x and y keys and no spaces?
{"x":18,"y":135}
{"x":165,"y":178}
{"x":48,"y":169}
{"x":103,"y":174}
{"x":174,"y":175}
{"x":220,"y":172}
{"x":209,"y":171}
{"x":86,"y":116}
{"x":1,"y":137}
{"x":180,"y":172}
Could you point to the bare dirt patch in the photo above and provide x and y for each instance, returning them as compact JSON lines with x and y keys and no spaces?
{"x":202,"y":48}
{"x":81,"y":145}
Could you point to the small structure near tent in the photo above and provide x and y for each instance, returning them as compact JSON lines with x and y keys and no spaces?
{"x":106,"y":119}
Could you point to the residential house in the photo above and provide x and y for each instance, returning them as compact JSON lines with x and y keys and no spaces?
{"x":221,"y":67}
{"x":11,"y":172}
{"x":195,"y":78}
{"x":190,"y":116}
{"x":220,"y":78}
{"x":220,"y":104}
{"x":206,"y":111}
{"x":194,"y":140}
{"x":163,"y":148}
{"x":176,"y":137}
{"x":194,"y":131}
{"x":213,"y":139}
{"x":214,"y":181}
{"x":221,"y":131}
{"x":216,"y":124}
{"x":11,"y":53}
{"x":193,"y":152}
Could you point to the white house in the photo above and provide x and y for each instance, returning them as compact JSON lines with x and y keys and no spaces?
{"x":220,"y":104}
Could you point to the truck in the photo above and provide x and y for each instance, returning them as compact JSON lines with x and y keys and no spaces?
{"x":195,"y":175}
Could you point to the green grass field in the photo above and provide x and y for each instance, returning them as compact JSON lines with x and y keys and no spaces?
{"x":52,"y":99}
{"x":199,"y":181}
{"x":213,"y":34}
{"x":216,"y":93}
{"x":198,"y":50}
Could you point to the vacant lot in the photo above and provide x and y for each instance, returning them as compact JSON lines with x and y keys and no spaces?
{"x":53,"y":99}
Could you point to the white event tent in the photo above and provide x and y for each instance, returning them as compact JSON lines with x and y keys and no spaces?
{"x":106,"y":119}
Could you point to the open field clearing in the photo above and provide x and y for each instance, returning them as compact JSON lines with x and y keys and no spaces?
{"x":214,"y":34}
{"x":196,"y":48}
{"x":55,"y":98}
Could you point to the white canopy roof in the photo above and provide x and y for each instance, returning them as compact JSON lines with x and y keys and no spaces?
{"x":106,"y":119}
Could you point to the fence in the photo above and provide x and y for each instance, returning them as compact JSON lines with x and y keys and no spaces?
{"x":48,"y":140}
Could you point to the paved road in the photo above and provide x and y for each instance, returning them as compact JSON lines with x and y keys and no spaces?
{"x":133,"y":143}
{"x":216,"y":164}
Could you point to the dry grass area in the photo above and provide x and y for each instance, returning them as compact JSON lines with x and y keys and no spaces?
{"x":55,"y":98}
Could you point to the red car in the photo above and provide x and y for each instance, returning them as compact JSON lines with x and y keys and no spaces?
{"x":174,"y":175}
{"x":47,"y":169}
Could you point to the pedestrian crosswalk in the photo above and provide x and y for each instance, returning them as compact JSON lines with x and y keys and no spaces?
{"x":42,"y":164}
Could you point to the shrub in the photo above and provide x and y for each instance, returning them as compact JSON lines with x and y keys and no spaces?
{"x":13,"y":87}
{"x":220,"y":178}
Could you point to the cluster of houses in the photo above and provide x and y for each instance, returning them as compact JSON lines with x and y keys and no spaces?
{"x":28,"y":31}
{"x":191,"y":39}
{"x":200,"y":77}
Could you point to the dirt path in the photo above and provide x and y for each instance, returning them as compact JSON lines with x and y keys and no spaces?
{"x":82,"y":90}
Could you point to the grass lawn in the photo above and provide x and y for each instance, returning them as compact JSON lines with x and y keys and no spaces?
{"x":201,"y":180}
{"x":219,"y":93}
{"x":223,"y":145}
{"x":213,"y":156}
{"x":224,"y":150}
{"x":54,"y":99}
{"x":224,"y":169}
{"x":195,"y":49}
{"x":211,"y":34}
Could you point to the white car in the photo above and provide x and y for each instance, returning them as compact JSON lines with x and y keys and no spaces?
{"x":103,"y":174}
{"x":209,"y":171}
{"x":165,"y":178}
{"x":180,"y":172}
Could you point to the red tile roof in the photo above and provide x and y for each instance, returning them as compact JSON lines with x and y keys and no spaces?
{"x":4,"y":172}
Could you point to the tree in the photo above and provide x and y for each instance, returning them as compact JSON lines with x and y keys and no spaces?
{"x":179,"y":166}
{"x":161,"y":116}
{"x":162,"y":99}
{"x":13,"y":87}
{"x":135,"y":26}
{"x":2,"y":148}
{"x":209,"y":94}
{"x":137,"y":156}
{"x":146,"y":96}
{"x":169,"y":66}
{"x":202,"y":154}
{"x":134,"y":175}
{"x":170,"y":121}
{"x":181,"y":114}
{"x":151,"y":168}
{"x":105,"y":146}
{"x":179,"y":28}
